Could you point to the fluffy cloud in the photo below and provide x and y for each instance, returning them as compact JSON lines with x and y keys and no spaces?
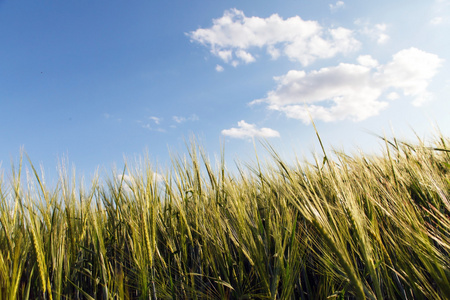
{"x":353,"y":91}
{"x":234,"y":37}
{"x":367,"y":61}
{"x":411,"y":70}
{"x":246,"y":130}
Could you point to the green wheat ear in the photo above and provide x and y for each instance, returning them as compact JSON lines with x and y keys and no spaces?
{"x":40,"y":256}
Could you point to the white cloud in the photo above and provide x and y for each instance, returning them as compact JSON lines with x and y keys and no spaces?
{"x":225,"y":55}
{"x":180,"y":120}
{"x":111,"y":117}
{"x":380,"y":34}
{"x":151,"y":128}
{"x":338,"y":5}
{"x":393,"y":96}
{"x":273,"y":52}
{"x":234,"y":37}
{"x":440,"y":9}
{"x":245,"y":56}
{"x":193,"y":117}
{"x":219,"y":68}
{"x":353,"y":91}
{"x":367,"y":61}
{"x":437,"y":21}
{"x":376,"y":32}
{"x":155,"y":119}
{"x":441,"y":4}
{"x":246,"y":130}
{"x":411,"y":70}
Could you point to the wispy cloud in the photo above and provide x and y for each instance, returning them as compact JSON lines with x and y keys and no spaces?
{"x":245,"y":131}
{"x":109,"y":116}
{"x":219,"y":68}
{"x":235,"y":38}
{"x":353,"y":91}
{"x":441,"y":12}
{"x":154,"y":125}
{"x":155,"y":119}
{"x":438,"y":21}
{"x":180,"y":120}
{"x":151,"y":128}
{"x":338,"y":5}
{"x":375,"y":32}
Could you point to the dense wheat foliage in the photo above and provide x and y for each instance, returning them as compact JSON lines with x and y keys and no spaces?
{"x":347,"y":227}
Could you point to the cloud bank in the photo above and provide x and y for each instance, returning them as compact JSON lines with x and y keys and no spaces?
{"x":245,"y":131}
{"x":353,"y":91}
{"x":235,"y":38}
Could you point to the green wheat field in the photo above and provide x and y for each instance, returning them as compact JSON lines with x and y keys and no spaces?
{"x":338,"y":227}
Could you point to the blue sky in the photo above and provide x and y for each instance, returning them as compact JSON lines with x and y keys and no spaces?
{"x":94,"y":81}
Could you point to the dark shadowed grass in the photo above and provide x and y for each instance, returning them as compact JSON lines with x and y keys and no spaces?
{"x":347,"y":227}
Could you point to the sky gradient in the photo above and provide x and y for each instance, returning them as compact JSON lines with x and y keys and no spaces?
{"x":93,"y":82}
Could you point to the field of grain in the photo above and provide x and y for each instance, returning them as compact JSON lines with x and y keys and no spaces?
{"x":342,"y":227}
